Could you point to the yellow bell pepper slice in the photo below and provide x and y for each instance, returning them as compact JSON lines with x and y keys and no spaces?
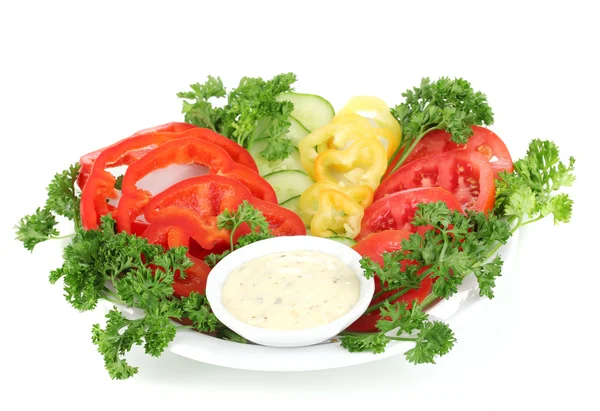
{"x":363,"y":163}
{"x":383,"y":135}
{"x":309,"y":200}
{"x":319,"y":140}
{"x":338,"y":215}
{"x":365,"y":105}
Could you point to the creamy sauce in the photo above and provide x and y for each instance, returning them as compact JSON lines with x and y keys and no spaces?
{"x":291,"y":290}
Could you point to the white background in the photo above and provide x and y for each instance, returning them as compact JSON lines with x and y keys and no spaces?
{"x":76,"y":77}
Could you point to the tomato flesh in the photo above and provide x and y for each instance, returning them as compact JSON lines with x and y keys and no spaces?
{"x":483,"y":142}
{"x":373,"y":247}
{"x":396,"y":211}
{"x":467,"y":175}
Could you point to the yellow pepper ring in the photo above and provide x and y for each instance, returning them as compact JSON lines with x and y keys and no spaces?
{"x":338,"y":214}
{"x":382,"y":116}
{"x":309,"y":200}
{"x":363,"y":163}
{"x":311,"y":145}
{"x":390,"y":143}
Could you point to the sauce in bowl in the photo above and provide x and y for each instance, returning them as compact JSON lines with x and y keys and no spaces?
{"x":291,"y":290}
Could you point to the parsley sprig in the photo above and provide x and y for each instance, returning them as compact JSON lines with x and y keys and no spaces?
{"x":127,"y":270}
{"x":446,"y":104}
{"x":63,"y":200}
{"x":458,"y":245}
{"x":533,"y":191}
{"x":232,"y":220}
{"x":400,"y":323}
{"x":250,"y":113}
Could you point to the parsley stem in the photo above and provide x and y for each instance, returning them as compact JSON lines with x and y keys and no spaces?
{"x":61,"y":237}
{"x":111,"y":296}
{"x":409,"y":150}
{"x":399,"y":294}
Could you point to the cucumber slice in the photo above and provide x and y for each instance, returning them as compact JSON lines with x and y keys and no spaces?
{"x":293,"y":204}
{"x":344,"y":240}
{"x":288,"y":183}
{"x":309,"y":109}
{"x":297,"y":131}
{"x":267,"y":167}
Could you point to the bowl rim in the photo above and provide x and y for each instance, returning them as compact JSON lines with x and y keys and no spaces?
{"x":263,"y":336}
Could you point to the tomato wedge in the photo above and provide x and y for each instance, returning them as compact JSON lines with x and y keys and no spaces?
{"x":396,"y":211}
{"x":483,"y":141}
{"x":467,"y":175}
{"x":373,"y":247}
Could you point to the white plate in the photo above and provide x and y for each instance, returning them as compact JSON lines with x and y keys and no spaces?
{"x":200,"y":347}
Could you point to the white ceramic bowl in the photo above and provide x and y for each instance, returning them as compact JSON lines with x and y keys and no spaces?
{"x":291,"y":338}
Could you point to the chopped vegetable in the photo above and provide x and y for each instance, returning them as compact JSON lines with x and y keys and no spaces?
{"x":388,"y":129}
{"x":338,"y":214}
{"x":184,"y":150}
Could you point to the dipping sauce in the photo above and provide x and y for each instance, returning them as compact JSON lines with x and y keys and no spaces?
{"x":291,"y":290}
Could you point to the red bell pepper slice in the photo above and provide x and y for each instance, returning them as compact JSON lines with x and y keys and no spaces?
{"x":207,"y":196}
{"x":128,"y":151}
{"x":187,"y":150}
{"x":178,"y":130}
{"x":176,"y":229}
{"x":87,"y":161}
{"x":100,"y":184}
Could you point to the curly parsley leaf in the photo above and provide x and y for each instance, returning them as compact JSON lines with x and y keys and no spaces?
{"x":36,"y":228}
{"x":63,"y":200}
{"x":431,"y":338}
{"x":531,"y":192}
{"x":142,"y":275}
{"x":457,"y":245}
{"x":434,"y":339}
{"x":251,"y":111}
{"x":446,"y":104}
{"x":245,"y":213}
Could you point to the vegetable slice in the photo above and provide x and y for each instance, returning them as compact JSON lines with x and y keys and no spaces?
{"x":182,"y":151}
{"x":288,"y":183}
{"x":267,"y":167}
{"x":310,"y":110}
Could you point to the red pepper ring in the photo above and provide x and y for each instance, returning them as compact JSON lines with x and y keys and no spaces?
{"x":87,"y":161}
{"x":178,"y":130}
{"x":188,"y":150}
{"x":175,"y":229}
{"x":237,"y":153}
{"x":208,"y":196}
{"x":100,"y":185}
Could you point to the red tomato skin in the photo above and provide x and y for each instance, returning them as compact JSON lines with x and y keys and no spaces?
{"x":467,"y":175}
{"x":396,"y":211}
{"x":373,"y":247}
{"x":483,"y":141}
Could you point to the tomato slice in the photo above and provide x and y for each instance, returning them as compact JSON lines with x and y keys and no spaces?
{"x":396,"y":211}
{"x":467,"y":175}
{"x":483,"y":141}
{"x":373,"y":247}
